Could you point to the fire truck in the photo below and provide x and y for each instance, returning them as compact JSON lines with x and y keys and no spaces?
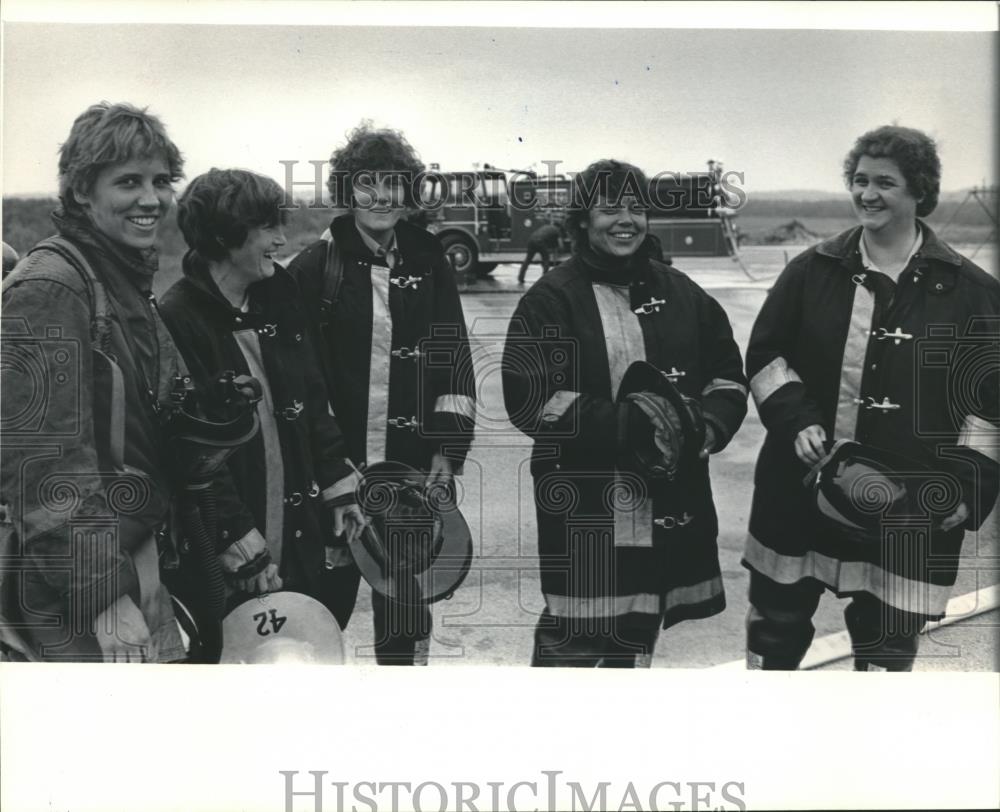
{"x":485,"y":216}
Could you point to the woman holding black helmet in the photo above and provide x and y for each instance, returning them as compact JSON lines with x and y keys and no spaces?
{"x":871,"y":346}
{"x":85,"y":474}
{"x":625,"y":374}
{"x":237,"y":310}
{"x":377,"y":290}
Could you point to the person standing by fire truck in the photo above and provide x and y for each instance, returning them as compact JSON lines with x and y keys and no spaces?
{"x":375,"y":287}
{"x":543,"y":241}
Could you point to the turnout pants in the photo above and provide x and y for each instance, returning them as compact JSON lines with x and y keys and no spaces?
{"x":402,"y":631}
{"x":592,"y":643}
{"x":780,"y":629}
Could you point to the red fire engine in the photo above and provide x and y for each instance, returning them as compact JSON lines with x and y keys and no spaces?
{"x":484,"y":217}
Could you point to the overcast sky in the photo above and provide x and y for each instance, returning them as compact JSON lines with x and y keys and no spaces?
{"x":781,"y":106}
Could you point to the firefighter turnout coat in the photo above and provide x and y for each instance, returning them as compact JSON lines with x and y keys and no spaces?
{"x":909,"y":367}
{"x":280,"y":481}
{"x":395,"y":351}
{"x":610,"y":544}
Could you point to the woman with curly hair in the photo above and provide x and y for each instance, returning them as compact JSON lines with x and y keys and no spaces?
{"x":374,"y":287}
{"x":843,"y":350}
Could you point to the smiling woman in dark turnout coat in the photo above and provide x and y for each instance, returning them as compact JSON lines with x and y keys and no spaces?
{"x":613,"y":573}
{"x":881,"y":335}
{"x":237,"y":310}
{"x":396,"y":399}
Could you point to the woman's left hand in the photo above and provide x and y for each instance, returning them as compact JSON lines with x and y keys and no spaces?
{"x":957,"y":518}
{"x":349,"y":519}
{"x":440,"y":472}
{"x":709,"y":445}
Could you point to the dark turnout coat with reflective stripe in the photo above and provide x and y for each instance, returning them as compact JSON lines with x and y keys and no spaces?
{"x":920,"y":356}
{"x":394,"y":349}
{"x":602,"y":552}
{"x":312,"y":447}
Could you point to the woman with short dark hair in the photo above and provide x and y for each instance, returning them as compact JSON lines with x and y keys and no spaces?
{"x":626,"y":548}
{"x":90,"y":369}
{"x":236,"y":309}
{"x":843,"y":351}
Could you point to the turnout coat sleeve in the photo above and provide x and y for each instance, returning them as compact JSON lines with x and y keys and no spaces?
{"x":543,"y":397}
{"x":51,"y":300}
{"x":974,"y":397}
{"x":782,"y":397}
{"x":193,"y":337}
{"x":335,"y":473}
{"x":724,"y":398}
{"x":454,"y":417}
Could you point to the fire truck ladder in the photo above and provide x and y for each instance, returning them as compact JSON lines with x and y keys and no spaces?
{"x":981,"y":194}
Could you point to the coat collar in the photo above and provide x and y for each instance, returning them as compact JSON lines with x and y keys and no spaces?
{"x":121,"y":265}
{"x":413,"y":243}
{"x":198,"y":275}
{"x":845,"y":247}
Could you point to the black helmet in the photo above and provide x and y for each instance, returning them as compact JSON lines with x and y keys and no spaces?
{"x":668,"y":414}
{"x":860,"y":487}
{"x":416,"y":546}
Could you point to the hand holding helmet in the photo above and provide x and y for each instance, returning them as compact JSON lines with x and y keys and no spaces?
{"x":652,"y":433}
{"x":660,"y":431}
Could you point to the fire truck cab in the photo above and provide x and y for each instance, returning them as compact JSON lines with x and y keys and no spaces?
{"x":485,"y":217}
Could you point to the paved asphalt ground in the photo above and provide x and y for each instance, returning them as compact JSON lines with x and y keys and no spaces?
{"x":489,"y":620}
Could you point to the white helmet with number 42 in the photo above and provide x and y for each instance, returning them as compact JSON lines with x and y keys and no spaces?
{"x":281,"y":627}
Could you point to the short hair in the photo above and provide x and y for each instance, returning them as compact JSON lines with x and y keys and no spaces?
{"x":106,"y":135}
{"x":372,"y":150}
{"x":217,"y":210}
{"x":605,"y":178}
{"x":913,"y":151}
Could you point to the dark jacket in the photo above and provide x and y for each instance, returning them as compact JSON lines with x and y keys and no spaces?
{"x":386,"y":369}
{"x":203,"y":324}
{"x":545,"y":237}
{"x":917,"y":353}
{"x":83,"y":448}
{"x":559,"y":389}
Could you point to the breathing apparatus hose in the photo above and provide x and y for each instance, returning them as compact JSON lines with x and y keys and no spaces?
{"x":201,"y":448}
{"x":196,"y":510}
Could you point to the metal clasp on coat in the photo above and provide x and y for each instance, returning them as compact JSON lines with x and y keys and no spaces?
{"x":268,"y":330}
{"x":673,"y":375}
{"x":291,"y":412}
{"x":406,"y":352}
{"x":652,"y":306}
{"x":859,"y":279}
{"x":408,"y":282}
{"x":402,"y":423}
{"x":897,"y":335}
{"x":670,"y":522}
{"x":870,"y":403}
{"x":294,"y":499}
